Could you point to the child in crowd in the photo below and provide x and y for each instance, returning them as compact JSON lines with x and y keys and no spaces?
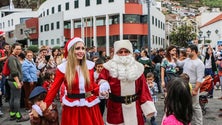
{"x":37,"y":117}
{"x":153,"y":88}
{"x":186,"y":78}
{"x":48,"y":80}
{"x":178,"y":103}
{"x":98,"y":69}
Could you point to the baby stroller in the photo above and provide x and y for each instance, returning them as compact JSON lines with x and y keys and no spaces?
{"x":206,"y":86}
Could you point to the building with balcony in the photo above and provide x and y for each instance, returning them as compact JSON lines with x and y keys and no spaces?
{"x":100,"y":23}
{"x":10,"y":17}
{"x":27,"y":33}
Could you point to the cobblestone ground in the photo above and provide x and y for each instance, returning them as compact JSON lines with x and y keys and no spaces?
{"x":211,"y":117}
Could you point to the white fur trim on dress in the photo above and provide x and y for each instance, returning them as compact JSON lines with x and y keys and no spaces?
{"x":90,"y":64}
{"x":73,"y":41}
{"x":81,"y":102}
{"x":148,"y":107}
{"x":62,"y":66}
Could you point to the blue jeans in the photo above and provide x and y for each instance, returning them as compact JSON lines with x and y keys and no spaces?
{"x":152,"y":121}
{"x":2,"y":84}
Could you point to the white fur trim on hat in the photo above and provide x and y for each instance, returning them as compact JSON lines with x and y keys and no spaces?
{"x":73,"y":41}
{"x":123,"y":44}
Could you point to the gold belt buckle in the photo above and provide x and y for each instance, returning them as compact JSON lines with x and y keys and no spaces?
{"x":88,"y":94}
{"x":128,"y":99}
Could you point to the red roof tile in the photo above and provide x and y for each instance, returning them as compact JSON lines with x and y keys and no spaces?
{"x":216,"y":19}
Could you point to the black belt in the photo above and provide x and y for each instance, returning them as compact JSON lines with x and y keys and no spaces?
{"x":123,"y":99}
{"x":79,"y":96}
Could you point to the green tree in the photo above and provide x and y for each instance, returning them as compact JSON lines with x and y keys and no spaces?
{"x":33,"y":48}
{"x":182,"y":35}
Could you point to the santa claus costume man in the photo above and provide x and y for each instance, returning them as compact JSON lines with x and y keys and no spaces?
{"x":123,"y":81}
{"x":80,"y":102}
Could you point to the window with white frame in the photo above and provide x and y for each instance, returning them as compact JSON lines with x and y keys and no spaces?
{"x":76,"y":3}
{"x":58,"y":41}
{"x":52,"y":42}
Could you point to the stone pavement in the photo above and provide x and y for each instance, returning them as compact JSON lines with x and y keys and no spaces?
{"x":211,"y":117}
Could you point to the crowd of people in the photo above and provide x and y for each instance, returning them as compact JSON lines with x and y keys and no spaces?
{"x":86,"y":82}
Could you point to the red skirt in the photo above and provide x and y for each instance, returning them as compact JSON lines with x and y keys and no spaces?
{"x":81,"y":115}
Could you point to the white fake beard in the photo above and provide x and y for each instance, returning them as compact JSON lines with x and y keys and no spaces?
{"x":124,"y":68}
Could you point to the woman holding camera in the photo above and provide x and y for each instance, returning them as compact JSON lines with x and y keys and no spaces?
{"x":210,"y":66}
{"x":44,"y":61}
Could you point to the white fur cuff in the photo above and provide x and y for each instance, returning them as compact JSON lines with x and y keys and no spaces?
{"x":148,"y":107}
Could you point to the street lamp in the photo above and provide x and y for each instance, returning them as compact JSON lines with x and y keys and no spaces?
{"x":204,"y":37}
{"x":148,"y":25}
{"x":27,"y":32}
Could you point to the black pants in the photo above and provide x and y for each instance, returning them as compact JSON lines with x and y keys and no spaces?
{"x":7,"y":91}
{"x":102,"y":105}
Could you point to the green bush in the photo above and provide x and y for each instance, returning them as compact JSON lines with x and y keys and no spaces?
{"x":33,"y":48}
{"x":56,"y":47}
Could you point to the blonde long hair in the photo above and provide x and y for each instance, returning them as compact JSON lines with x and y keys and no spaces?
{"x":72,"y":63}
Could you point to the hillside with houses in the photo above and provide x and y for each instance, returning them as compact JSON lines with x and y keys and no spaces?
{"x":195,"y":14}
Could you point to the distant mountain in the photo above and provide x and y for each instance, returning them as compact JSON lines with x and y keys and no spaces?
{"x":34,"y":4}
{"x":4,"y":3}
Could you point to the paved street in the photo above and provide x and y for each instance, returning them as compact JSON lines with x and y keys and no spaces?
{"x":209,"y":119}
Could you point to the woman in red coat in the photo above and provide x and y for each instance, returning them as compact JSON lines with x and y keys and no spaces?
{"x":81,"y":97}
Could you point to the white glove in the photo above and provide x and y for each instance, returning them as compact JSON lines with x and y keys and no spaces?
{"x":37,"y":109}
{"x":104,"y":90}
{"x":104,"y":86}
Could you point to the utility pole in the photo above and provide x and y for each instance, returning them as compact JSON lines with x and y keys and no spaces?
{"x":148,"y":26}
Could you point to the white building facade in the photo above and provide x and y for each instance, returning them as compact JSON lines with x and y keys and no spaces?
{"x":99,"y":22}
{"x":10,"y":18}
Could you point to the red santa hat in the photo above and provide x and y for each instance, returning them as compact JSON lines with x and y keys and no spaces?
{"x":123,"y":44}
{"x":70,"y":43}
{"x":2,"y":33}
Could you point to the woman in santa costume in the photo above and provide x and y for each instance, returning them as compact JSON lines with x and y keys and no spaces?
{"x":123,"y":82}
{"x":81,"y":97}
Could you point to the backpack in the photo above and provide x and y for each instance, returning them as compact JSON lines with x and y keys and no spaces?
{"x":206,"y":85}
{"x":5,"y":70}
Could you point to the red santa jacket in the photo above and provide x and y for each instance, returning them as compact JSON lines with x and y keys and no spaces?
{"x":120,"y":113}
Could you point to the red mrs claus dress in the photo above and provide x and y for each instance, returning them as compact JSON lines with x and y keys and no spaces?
{"x":83,"y":111}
